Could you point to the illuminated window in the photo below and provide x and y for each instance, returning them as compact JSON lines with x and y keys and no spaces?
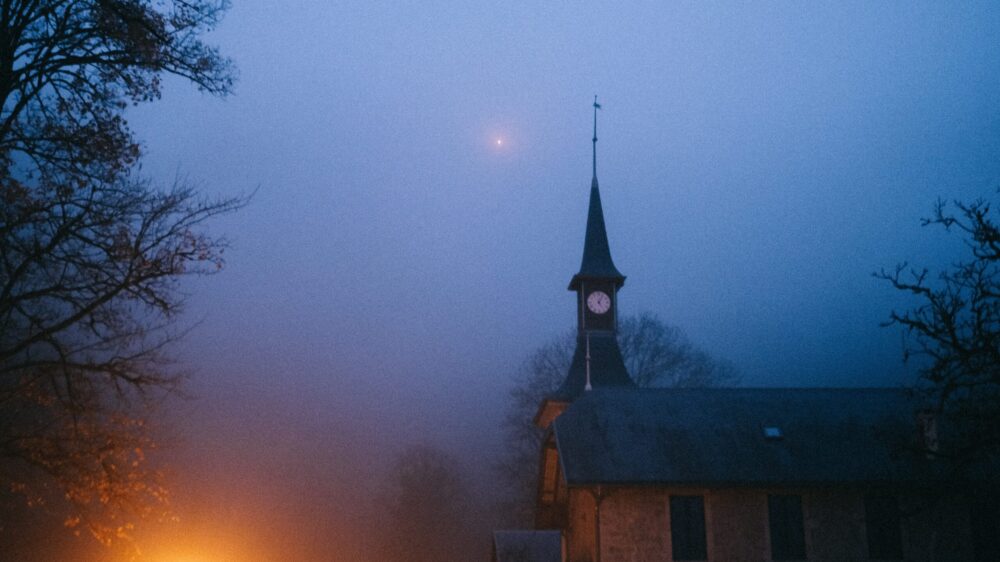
{"x":787,"y":533}
{"x":687,"y":527}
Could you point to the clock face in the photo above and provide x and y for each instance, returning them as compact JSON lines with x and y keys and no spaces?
{"x":598,"y":302}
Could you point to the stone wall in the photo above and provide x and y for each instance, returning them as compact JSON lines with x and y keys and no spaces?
{"x":635,"y":524}
{"x":580,"y":544}
{"x":632,"y":526}
{"x":736,"y":525}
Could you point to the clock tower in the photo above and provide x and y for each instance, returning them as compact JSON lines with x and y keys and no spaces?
{"x":597,"y":361}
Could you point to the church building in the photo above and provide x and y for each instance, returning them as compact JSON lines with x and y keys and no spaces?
{"x":731,"y":474}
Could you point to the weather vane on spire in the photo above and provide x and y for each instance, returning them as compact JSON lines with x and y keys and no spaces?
{"x":596,"y":107}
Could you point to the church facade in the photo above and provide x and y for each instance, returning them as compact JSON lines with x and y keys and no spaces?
{"x":731,"y":474}
{"x":750,"y":475}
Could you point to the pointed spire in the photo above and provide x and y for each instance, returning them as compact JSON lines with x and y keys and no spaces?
{"x":596,"y":263}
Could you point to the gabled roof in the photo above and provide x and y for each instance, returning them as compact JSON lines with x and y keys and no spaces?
{"x":717,"y":436}
{"x":527,"y":546}
{"x":596,"y":262}
{"x":607,"y":368}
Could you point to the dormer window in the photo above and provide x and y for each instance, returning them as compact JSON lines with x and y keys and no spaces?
{"x":772,"y":432}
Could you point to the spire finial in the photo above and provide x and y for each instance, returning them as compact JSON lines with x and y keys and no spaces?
{"x":596,"y":107}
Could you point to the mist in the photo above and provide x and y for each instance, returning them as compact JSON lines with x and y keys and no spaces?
{"x":420,"y":176}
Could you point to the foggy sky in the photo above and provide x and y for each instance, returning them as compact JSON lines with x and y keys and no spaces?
{"x":757,"y":163}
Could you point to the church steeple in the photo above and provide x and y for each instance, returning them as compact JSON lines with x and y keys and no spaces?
{"x":597,"y":361}
{"x":596,"y":262}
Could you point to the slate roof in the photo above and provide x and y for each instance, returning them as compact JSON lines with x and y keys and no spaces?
{"x":607,"y":368}
{"x":716,"y":437}
{"x":527,"y":546}
{"x":596,"y":262}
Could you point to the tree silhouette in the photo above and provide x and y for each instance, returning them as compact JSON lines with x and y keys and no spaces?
{"x":91,"y":254}
{"x":429,"y":508}
{"x":954,"y":335}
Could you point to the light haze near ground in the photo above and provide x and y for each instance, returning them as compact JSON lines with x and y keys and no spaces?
{"x":757,"y":163}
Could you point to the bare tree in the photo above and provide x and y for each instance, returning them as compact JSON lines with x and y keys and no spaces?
{"x":91,"y":255}
{"x":955,"y":334}
{"x":429,"y":509}
{"x":656,"y":354}
{"x":68,"y":68}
